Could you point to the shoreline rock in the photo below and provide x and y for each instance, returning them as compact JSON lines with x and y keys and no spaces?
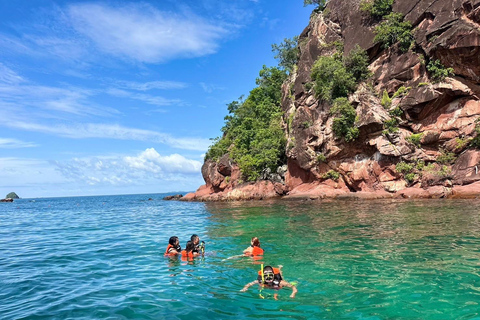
{"x":317,"y":191}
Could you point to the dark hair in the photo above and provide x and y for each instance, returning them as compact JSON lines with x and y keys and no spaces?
{"x":255,"y":242}
{"x":268,"y":268}
{"x":172,"y":240}
{"x":193,"y":237}
{"x":190,"y":246}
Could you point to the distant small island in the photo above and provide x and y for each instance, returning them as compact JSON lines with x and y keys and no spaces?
{"x":10,"y":197}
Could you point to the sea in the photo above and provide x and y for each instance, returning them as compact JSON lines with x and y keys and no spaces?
{"x":103,"y":257}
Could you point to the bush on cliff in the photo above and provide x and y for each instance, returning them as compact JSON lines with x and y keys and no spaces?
{"x":252,"y":134}
{"x":438,"y":71}
{"x":344,"y":122}
{"x":336,"y":77}
{"x":377,"y":8}
{"x":392,"y":30}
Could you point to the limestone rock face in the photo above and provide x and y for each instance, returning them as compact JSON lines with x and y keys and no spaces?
{"x":436,"y":121}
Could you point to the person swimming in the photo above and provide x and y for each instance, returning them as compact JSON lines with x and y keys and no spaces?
{"x":173,"y":247}
{"x":254,"y":249}
{"x":199,"y":246}
{"x":269,"y":277}
{"x":188,"y":252}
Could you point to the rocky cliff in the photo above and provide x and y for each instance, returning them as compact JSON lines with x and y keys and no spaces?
{"x":430,"y":147}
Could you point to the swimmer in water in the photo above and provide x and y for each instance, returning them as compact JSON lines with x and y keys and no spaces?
{"x":271,"y":278}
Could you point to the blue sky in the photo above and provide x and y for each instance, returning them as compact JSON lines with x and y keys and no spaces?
{"x":118,"y":97}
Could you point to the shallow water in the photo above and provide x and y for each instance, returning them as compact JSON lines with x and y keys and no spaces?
{"x":102,"y":258}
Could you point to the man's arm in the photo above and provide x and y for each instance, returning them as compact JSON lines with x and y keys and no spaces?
{"x":248,"y":285}
{"x":284,"y":283}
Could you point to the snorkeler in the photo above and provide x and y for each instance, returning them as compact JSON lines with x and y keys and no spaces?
{"x":173,"y":247}
{"x":199,"y":247}
{"x":254,"y":249}
{"x":270,"y":277}
{"x":188,"y":252}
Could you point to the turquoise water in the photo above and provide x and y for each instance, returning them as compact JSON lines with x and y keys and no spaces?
{"x":102,"y":258}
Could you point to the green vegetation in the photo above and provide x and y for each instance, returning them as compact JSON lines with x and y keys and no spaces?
{"x":404,"y":167}
{"x":321,"y":158}
{"x":335,"y":77}
{"x":287,"y":53}
{"x":475,"y":141}
{"x":392,"y":30}
{"x":331,"y":174}
{"x":343,"y":123}
{"x":438,"y":71}
{"x":391,"y":126}
{"x":12,"y":195}
{"x":332,"y":80}
{"x":376,"y":8}
{"x":446,"y":157}
{"x":402,"y":91}
{"x":319,"y":3}
{"x":356,"y":63}
{"x":422,"y":84}
{"x":252,"y":134}
{"x":415,"y":139}
{"x":386,"y":100}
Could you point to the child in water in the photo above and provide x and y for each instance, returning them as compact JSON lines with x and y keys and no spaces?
{"x":254,"y":249}
{"x":188,"y":252}
{"x":199,"y":247}
{"x":173,"y":247}
{"x":270,"y":277}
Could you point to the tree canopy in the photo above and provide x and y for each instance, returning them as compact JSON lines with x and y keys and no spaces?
{"x":252,"y":134}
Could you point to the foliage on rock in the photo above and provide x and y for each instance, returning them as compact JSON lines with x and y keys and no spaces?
{"x":392,"y":30}
{"x":344,"y":122}
{"x":252,"y":134}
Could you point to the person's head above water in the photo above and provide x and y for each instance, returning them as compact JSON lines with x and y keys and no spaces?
{"x":173,"y":241}
{"x":195,"y":239}
{"x":190,"y":246}
{"x":255,"y":242}
{"x":268,"y":274}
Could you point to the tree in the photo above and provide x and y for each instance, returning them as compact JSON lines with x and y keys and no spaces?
{"x":319,"y":3}
{"x":287,"y":53}
{"x":252,"y":134}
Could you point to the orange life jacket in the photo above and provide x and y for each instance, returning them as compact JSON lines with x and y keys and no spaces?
{"x":185,"y":255}
{"x":257,"y":251}
{"x":167,"y":252}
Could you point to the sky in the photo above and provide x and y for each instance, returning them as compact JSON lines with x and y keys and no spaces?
{"x":123,"y":97}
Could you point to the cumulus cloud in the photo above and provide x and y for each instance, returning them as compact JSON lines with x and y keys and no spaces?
{"x":143,"y":33}
{"x":123,"y":170}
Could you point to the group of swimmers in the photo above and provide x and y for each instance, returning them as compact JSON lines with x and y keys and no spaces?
{"x":268,"y":277}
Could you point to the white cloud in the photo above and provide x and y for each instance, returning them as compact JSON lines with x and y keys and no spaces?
{"x":27,"y":97}
{"x":153,"y":100}
{"x":9,"y":76}
{"x":143,"y":33}
{"x":209,"y":88}
{"x":108,"y":131}
{"x":162,"y":85}
{"x":124,"y":170}
{"x":6,"y":143}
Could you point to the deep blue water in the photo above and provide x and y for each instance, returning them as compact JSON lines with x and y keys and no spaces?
{"x":102,"y":258}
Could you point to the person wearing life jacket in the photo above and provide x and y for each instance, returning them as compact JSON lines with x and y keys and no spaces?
{"x":188,"y":252}
{"x":173,"y":247}
{"x":269,"y":277}
{"x":254,"y":249}
{"x":199,"y":246}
